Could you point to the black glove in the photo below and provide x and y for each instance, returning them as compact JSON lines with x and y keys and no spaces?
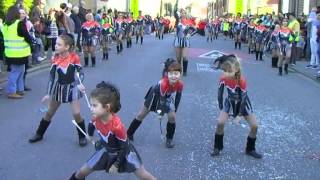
{"x":98,"y":145}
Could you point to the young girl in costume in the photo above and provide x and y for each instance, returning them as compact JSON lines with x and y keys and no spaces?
{"x":237,"y":103}
{"x":164,"y":96}
{"x":63,"y":87}
{"x":106,"y":33}
{"x":90,"y":31}
{"x":114,"y":152}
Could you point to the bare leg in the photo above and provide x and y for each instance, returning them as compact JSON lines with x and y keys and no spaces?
{"x":83,"y":172}
{"x":143,"y":174}
{"x":53,"y":107}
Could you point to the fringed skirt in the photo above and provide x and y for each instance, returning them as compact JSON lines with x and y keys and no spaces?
{"x":66,"y":93}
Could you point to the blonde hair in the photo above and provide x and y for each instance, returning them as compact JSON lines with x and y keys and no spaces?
{"x":226,"y":63}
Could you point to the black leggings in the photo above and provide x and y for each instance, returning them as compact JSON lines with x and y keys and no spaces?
{"x":49,"y":41}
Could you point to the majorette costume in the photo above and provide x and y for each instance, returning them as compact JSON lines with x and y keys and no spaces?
{"x":185,"y":29}
{"x":113,"y":148}
{"x":275,"y":46}
{"x":162,"y":96}
{"x":119,"y":30}
{"x":62,"y":88}
{"x":90,"y":31}
{"x":251,"y":37}
{"x":260,"y":36}
{"x":106,"y":32}
{"x":286,"y":39}
{"x":128,"y":28}
{"x":237,"y":102}
{"x":244,"y":28}
{"x":140,"y":28}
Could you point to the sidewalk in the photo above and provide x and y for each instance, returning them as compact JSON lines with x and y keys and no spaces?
{"x":300,"y":68}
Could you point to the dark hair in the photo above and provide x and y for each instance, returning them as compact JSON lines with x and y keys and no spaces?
{"x":109,"y":11}
{"x":174,"y":66}
{"x":107,"y":93}
{"x":68,"y":39}
{"x":170,"y":65}
{"x":63,"y":6}
{"x":12,"y":15}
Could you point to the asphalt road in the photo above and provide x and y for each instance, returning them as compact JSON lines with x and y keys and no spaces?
{"x":287,"y":110}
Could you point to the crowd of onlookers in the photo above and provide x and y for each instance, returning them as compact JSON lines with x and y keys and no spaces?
{"x":44,"y":29}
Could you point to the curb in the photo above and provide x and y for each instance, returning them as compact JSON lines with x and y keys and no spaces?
{"x":36,"y":68}
{"x":307,"y":75}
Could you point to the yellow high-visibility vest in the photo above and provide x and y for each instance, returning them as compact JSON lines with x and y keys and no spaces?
{"x":15,"y":46}
{"x":291,"y":25}
{"x":225,"y":26}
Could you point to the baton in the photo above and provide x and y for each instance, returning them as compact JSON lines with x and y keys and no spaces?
{"x":85,"y":134}
{"x":84,"y":92}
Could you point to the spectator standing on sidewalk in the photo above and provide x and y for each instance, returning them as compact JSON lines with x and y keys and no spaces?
{"x":62,"y":22}
{"x":77,"y":23}
{"x":314,"y":60}
{"x":52,"y":27}
{"x":294,"y":25}
{"x":1,"y":46}
{"x":1,"y":52}
{"x":17,"y":50}
{"x":24,"y":18}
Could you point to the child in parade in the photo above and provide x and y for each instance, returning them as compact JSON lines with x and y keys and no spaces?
{"x":182,"y":39}
{"x":237,"y":30}
{"x":106,"y":32}
{"x":128,"y":29}
{"x":237,"y":103}
{"x":286,"y":38}
{"x":140,"y":25}
{"x":90,"y":31}
{"x":119,"y":30}
{"x":260,"y":38}
{"x":251,"y":36}
{"x":64,"y":86}
{"x":164,"y":96}
{"x":275,"y":46}
{"x":114,"y":152}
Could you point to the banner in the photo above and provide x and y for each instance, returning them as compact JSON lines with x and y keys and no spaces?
{"x":134,"y":8}
{"x":239,"y":6}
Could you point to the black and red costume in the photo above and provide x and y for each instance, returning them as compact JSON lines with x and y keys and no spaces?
{"x":106,"y":33}
{"x":113,"y":148}
{"x":237,"y":103}
{"x":90,"y":31}
{"x":260,"y":33}
{"x":285,"y":39}
{"x":63,"y":81}
{"x":164,"y":96}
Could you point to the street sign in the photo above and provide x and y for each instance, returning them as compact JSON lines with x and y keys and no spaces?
{"x":212,"y":54}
